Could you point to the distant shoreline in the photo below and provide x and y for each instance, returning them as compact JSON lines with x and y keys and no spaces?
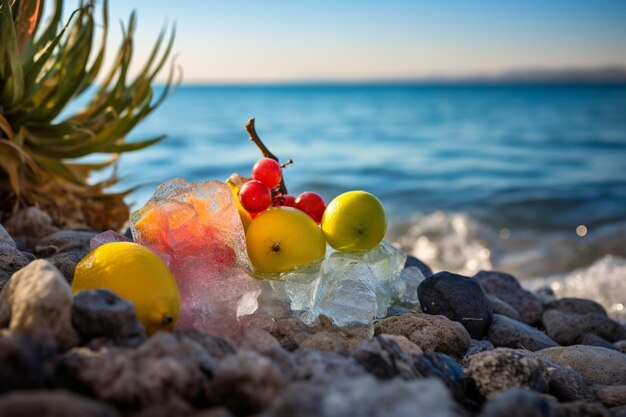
{"x":404,"y":83}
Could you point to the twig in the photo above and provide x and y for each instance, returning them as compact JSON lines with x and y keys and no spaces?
{"x":254,"y":137}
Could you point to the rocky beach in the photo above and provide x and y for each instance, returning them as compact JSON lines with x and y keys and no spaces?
{"x":478,"y":346}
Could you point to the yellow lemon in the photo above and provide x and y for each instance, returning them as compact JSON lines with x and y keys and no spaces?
{"x":354,"y":221}
{"x":235,"y":183}
{"x":283,"y":238}
{"x":137,"y":274}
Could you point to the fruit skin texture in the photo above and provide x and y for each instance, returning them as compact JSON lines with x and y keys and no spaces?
{"x":354,"y":221}
{"x":255,"y":196}
{"x":312,"y":204}
{"x":137,"y":274}
{"x":283,"y":238}
{"x":267,"y":171}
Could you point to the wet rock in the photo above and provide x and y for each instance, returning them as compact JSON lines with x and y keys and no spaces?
{"x":413,"y":261}
{"x":387,"y":356}
{"x":568,"y":328}
{"x":26,"y":360}
{"x":101,"y":313}
{"x":509,"y":290}
{"x":500,"y":307}
{"x":64,"y":241}
{"x":216,"y":346}
{"x":518,"y":402}
{"x":168,"y":369}
{"x":30,"y":224}
{"x":596,"y":364}
{"x":612,"y":396}
{"x":568,"y":385}
{"x":576,"y":306}
{"x":430,"y":333}
{"x":290,"y":333}
{"x":57,"y":403}
{"x":330,"y":342}
{"x":457,"y":297}
{"x":246,"y":383}
{"x":37,"y":298}
{"x":66,"y":262}
{"x":505,"y":368}
{"x":366,"y":396}
{"x":581,"y":409}
{"x":506,"y":332}
{"x":592,"y":339}
{"x":324,"y":367}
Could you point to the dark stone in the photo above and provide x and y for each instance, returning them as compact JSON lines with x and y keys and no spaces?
{"x":509,"y":290}
{"x":216,"y":412}
{"x":11,"y":261}
{"x":545,"y":295}
{"x":576,"y":306}
{"x":500,"y":307}
{"x":56,"y":403}
{"x":216,"y":346}
{"x":290,"y":332}
{"x":330,"y":342}
{"x":64,"y":241}
{"x":596,"y":364}
{"x":505,"y":368}
{"x":506,"y":332}
{"x":101,"y":313}
{"x":395,"y":310}
{"x":30,"y":224}
{"x":413,"y":261}
{"x":262,"y":342}
{"x":612,"y":395}
{"x":385,"y":358}
{"x":26,"y":361}
{"x":477,"y":346}
{"x":518,"y":402}
{"x":66,"y":262}
{"x":430,"y":333}
{"x":568,"y":328}
{"x":313,"y":365}
{"x":592,"y":339}
{"x":568,"y":385}
{"x":581,"y":409}
{"x":458,"y":298}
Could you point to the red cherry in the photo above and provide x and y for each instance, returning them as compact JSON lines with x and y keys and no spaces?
{"x":268,"y":171}
{"x":312,"y":204}
{"x":286,"y":200}
{"x":255,"y":196}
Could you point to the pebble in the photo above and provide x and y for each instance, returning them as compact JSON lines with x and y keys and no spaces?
{"x":500,"y":307}
{"x":568,"y":385}
{"x":477,"y":346}
{"x":504,"y":368}
{"x":52,"y":403}
{"x":508,"y":289}
{"x":506,"y":332}
{"x":413,"y":261}
{"x":457,"y":297}
{"x":581,"y":409}
{"x":64,"y":241}
{"x":11,"y":260}
{"x":366,"y":396}
{"x":592,"y":339}
{"x":430,"y":333}
{"x":576,"y":306}
{"x":612,"y":395}
{"x":330,"y":342}
{"x":518,"y":402}
{"x":388,"y":356}
{"x":216,"y":346}
{"x":101,"y":313}
{"x":568,"y":328}
{"x":66,"y":262}
{"x":26,"y":360}
{"x":596,"y":364}
{"x":30,"y":224}
{"x":290,"y":332}
{"x":324,"y":367}
{"x":37,"y":298}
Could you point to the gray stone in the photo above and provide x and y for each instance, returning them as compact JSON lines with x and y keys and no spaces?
{"x":54,"y":403}
{"x":576,"y":306}
{"x":26,"y":360}
{"x":505,"y":368}
{"x":330,"y":342}
{"x":215,"y":412}
{"x":581,"y":409}
{"x":64,"y":241}
{"x":101,"y":313}
{"x":569,"y":328}
{"x":568,"y":385}
{"x":216,"y":346}
{"x":11,"y":261}
{"x":596,"y":364}
{"x":545,"y":294}
{"x":366,"y":396}
{"x":457,"y":297}
{"x":430,"y":333}
{"x":66,"y":262}
{"x":621,"y":346}
{"x":290,"y":333}
{"x":592,"y":339}
{"x":612,"y":395}
{"x":477,"y":346}
{"x":37,"y":298}
{"x":324,"y":367}
{"x":509,"y":290}
{"x":413,"y":261}
{"x":388,"y":356}
{"x":500,"y":307}
{"x":517,"y":402}
{"x":396,"y":310}
{"x":31,"y":224}
{"x":506,"y":332}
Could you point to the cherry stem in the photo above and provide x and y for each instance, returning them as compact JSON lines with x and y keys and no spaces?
{"x":254,"y":137}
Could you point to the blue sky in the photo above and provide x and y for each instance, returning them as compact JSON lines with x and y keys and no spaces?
{"x":273,"y":41}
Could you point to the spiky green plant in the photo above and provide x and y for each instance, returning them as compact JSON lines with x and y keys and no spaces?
{"x":43,"y":67}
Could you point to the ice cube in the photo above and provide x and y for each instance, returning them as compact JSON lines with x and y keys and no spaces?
{"x":405,"y":288}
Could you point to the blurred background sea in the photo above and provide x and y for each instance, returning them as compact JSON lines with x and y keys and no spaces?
{"x":529,"y":179}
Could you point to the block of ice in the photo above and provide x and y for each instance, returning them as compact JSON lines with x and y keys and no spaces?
{"x":405,"y":288}
{"x":198,"y":226}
